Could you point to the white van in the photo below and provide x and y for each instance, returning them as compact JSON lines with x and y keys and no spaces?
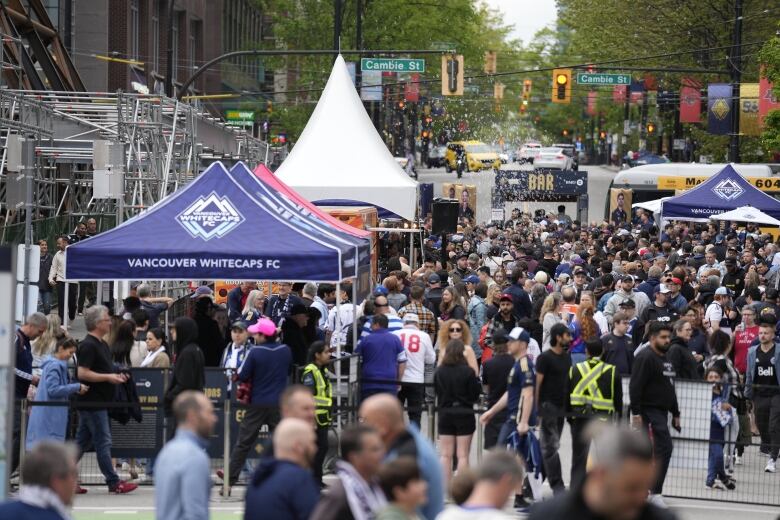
{"x":653,"y":181}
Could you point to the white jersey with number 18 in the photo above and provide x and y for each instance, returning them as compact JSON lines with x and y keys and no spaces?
{"x":419,"y":352}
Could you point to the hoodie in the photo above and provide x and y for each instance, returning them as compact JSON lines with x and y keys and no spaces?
{"x":682,"y":360}
{"x":188,"y":373}
{"x":51,"y":422}
{"x":281,"y":490}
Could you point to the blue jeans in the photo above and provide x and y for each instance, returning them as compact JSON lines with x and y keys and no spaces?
{"x":94,"y":431}
{"x":715,"y":468}
{"x":45,"y":297}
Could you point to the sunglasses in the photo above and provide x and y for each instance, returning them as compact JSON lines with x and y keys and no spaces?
{"x":456,"y":329}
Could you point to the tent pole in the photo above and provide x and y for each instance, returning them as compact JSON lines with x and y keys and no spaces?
{"x":337,"y":327}
{"x":65,"y":306}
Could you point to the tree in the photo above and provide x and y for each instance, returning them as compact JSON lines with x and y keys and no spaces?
{"x":769,"y":57}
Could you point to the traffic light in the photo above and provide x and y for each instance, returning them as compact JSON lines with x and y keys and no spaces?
{"x":269,"y":107}
{"x":565,"y":132}
{"x":491,"y":62}
{"x":425,"y":134}
{"x":452,"y":75}
{"x":527,"y":89}
{"x":561,"y":90}
{"x":401,"y":105}
{"x":650,"y":128}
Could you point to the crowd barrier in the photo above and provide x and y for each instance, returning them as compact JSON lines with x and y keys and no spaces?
{"x":139,"y":443}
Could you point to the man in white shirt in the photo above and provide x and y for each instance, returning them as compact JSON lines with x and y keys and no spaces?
{"x":57,"y":278}
{"x":340,"y":319}
{"x":717,"y":315}
{"x":419,"y":352}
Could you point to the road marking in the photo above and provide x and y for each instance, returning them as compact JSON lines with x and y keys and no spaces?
{"x":121,"y":512}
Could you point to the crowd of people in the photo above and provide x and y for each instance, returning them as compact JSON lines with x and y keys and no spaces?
{"x":539,"y":318}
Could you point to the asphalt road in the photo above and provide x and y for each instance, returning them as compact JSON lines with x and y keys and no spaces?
{"x":598,"y":189}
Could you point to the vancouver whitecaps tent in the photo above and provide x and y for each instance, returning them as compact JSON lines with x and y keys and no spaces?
{"x":340,"y":159}
{"x":724,"y":191}
{"x":213,"y":228}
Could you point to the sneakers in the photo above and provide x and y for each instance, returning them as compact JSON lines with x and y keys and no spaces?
{"x":730,"y":484}
{"x":658,"y":501}
{"x":770,"y":466}
{"x":737,"y":460}
{"x":80,"y":490}
{"x":521,"y":504}
{"x":221,"y":474}
{"x":715,"y":485}
{"x":123,"y":487}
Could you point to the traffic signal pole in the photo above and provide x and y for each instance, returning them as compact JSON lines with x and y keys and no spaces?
{"x":735,"y":60}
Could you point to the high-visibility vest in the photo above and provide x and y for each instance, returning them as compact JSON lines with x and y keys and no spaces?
{"x":323,"y":394}
{"x":593,"y":386}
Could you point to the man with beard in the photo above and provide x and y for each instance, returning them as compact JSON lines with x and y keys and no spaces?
{"x":653,"y":397}
{"x":504,"y":319}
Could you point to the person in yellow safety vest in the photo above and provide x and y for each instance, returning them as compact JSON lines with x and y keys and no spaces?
{"x":596,"y":393}
{"x":315,"y":377}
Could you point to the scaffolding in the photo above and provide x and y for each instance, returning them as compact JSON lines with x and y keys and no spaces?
{"x":164,"y":143}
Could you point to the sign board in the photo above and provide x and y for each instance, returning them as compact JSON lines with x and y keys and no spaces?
{"x":392,"y":65}
{"x":767,"y":184}
{"x":596,"y":78}
{"x":497,"y":214}
{"x":679,"y":144}
{"x":240,"y":117}
{"x":144,"y":439}
{"x":443,"y":46}
{"x":531,"y":185}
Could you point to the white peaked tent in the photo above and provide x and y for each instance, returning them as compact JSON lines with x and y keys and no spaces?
{"x":747,"y":214}
{"x":340,"y":156}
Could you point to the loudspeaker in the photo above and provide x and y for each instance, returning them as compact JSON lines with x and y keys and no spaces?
{"x":445,"y":216}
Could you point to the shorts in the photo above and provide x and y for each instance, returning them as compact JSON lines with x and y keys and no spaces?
{"x":456,"y":423}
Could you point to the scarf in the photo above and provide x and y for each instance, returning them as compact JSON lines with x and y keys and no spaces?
{"x":44,"y":498}
{"x":150,"y":357}
{"x":364,"y":499}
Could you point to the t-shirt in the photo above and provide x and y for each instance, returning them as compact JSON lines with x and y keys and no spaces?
{"x":495,"y":374}
{"x":743,"y":338}
{"x":521,"y":376}
{"x":419,"y":352}
{"x":340,"y":323}
{"x":153,"y":310}
{"x":765,"y":375}
{"x":94,"y":354}
{"x":555,"y":385}
{"x":382,"y":352}
{"x":715,"y":314}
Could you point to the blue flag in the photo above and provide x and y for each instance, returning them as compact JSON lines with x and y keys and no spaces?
{"x":719,"y":108}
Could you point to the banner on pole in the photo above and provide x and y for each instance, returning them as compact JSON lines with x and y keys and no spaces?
{"x":767,"y":99}
{"x":748,"y":109}
{"x":719,"y":108}
{"x":690,"y":101}
{"x":592,"y":99}
{"x":619,"y":93}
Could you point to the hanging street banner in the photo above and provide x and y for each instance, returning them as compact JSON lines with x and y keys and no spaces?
{"x":690,"y":101}
{"x":608,"y":80}
{"x":592,"y":99}
{"x":767,"y":99}
{"x":371,"y":85}
{"x":678,"y":183}
{"x":392,"y":65}
{"x":719,"y":108}
{"x":748,"y":109}
{"x":513,"y":185}
{"x":619,"y":93}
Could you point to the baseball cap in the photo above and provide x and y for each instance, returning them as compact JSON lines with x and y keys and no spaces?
{"x":434,"y":278}
{"x":238,"y":324}
{"x":648,"y":256}
{"x":263,"y":326}
{"x":663,"y":289}
{"x":202,"y":291}
{"x":723,"y":291}
{"x":627,"y":278}
{"x":676,"y":281}
{"x":629,"y":304}
{"x":300,"y":308}
{"x":463,"y":254}
{"x":505,"y":298}
{"x":520,"y":334}
{"x":730,"y":261}
{"x":472,"y":278}
{"x":580,"y":270}
{"x":500,"y":336}
{"x":411,"y":317}
{"x":547,"y":250}
{"x":577,"y":259}
{"x":381,"y":290}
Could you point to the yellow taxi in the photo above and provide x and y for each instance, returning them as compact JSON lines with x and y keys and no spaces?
{"x":470,"y":156}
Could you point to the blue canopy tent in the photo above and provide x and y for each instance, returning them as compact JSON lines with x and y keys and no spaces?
{"x":724,"y":191}
{"x":213,"y":229}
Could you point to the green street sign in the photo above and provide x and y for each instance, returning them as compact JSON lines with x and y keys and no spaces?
{"x":392,"y":65}
{"x":596,"y":78}
{"x":443,"y":46}
{"x":240,"y":115}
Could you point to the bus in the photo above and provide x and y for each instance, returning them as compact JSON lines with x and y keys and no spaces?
{"x":654,"y":181}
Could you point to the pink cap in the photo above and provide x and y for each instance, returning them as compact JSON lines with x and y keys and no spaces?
{"x":263,"y":326}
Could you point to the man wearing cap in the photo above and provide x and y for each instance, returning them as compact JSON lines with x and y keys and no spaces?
{"x":419,"y":352}
{"x":279,"y":305}
{"x":495,"y":373}
{"x":292,"y":333}
{"x":266,"y":365}
{"x":626,"y":292}
{"x":716,"y":317}
{"x":471,"y":282}
{"x":504,"y":319}
{"x":734,"y":278}
{"x":384,"y":359}
{"x":462,"y":269}
{"x":676,"y":300}
{"x":658,"y":311}
{"x":433,"y":294}
{"x":234,"y":354}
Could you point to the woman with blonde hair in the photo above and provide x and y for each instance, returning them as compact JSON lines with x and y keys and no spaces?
{"x":253,"y":308}
{"x":550,"y":314}
{"x":44,"y":345}
{"x":493,"y":294}
{"x":450,"y":307}
{"x":456,"y":329}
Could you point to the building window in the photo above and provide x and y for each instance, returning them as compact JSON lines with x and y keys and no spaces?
{"x":156,"y":37}
{"x":135,"y":29}
{"x":175,"y":53}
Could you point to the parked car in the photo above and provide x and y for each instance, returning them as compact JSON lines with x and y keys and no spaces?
{"x":528,"y":153}
{"x":470,"y":156}
{"x":571,"y":151}
{"x":502,"y":155}
{"x":436,"y":156}
{"x":553,"y":158}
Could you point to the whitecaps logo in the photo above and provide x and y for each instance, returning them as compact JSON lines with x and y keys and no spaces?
{"x":727,"y":189}
{"x":210,"y":217}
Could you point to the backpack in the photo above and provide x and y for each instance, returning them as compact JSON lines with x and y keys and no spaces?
{"x":487,"y":351}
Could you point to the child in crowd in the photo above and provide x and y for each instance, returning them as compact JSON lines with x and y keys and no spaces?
{"x":404,"y":489}
{"x":722,"y":415}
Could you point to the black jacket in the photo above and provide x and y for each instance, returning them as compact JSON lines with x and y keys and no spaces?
{"x":188,"y":370}
{"x":125,"y":393}
{"x":651,"y":383}
{"x":572,"y":505}
{"x":682,"y":360}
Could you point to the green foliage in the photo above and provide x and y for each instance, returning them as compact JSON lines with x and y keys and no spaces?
{"x":769,"y":56}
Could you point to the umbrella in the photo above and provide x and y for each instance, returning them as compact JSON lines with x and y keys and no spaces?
{"x":747,"y":214}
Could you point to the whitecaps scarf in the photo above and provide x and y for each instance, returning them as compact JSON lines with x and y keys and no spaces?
{"x":150,"y":357}
{"x":364,"y":499}
{"x":44,"y":498}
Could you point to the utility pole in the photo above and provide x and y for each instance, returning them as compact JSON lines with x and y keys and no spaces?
{"x":735,"y":60}
{"x":169,"y":52}
{"x":358,"y":42}
{"x":336,"y":25}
